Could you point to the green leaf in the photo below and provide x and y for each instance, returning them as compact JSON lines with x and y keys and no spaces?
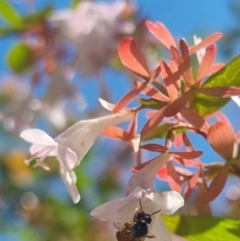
{"x":10,"y":14}
{"x":27,"y":21}
{"x":75,"y":3}
{"x":159,"y":132}
{"x":151,"y":103}
{"x":25,"y":233}
{"x":38,"y":16}
{"x":4,"y":98}
{"x":160,"y":87}
{"x":228,"y":76}
{"x":180,"y":129}
{"x":20,"y":58}
{"x":199,"y":228}
{"x":5,"y":31}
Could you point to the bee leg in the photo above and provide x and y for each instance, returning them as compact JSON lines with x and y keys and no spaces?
{"x":117,"y":226}
{"x":135,"y":216}
{"x":128,"y":226}
{"x":128,"y":229}
{"x":121,"y":227}
{"x":150,"y":236}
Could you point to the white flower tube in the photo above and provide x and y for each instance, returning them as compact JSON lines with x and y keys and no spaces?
{"x":71,"y":146}
{"x":140,"y":189}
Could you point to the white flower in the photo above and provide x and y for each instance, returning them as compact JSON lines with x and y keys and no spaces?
{"x":200,"y":53}
{"x":71,"y":146}
{"x":140,"y":189}
{"x":94,"y":28}
{"x":17,"y":112}
{"x":60,"y":94}
{"x":233,"y":193}
{"x":100,"y":19}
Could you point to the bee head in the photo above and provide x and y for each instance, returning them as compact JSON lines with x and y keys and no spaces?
{"x":142,"y":216}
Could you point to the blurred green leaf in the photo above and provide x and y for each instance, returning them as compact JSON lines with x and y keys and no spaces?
{"x":4,"y":98}
{"x":160,"y":87}
{"x":116,"y":63}
{"x":5,"y":31}
{"x":27,"y":21}
{"x":151,"y":103}
{"x":228,"y":76}
{"x":198,"y":228}
{"x":26,"y":234}
{"x":75,"y":3}
{"x":20,"y":58}
{"x":159,"y":132}
{"x":61,"y":220}
{"x":180,"y":129}
{"x":38,"y":16}
{"x":10,"y":14}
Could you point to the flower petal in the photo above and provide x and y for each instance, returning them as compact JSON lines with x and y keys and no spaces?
{"x":144,"y":177}
{"x":67,"y":157}
{"x":161,"y":33}
{"x":114,"y":210}
{"x":153,"y":122}
{"x":116,"y":133}
{"x":207,"y":62}
{"x":107,"y":105}
{"x":81,"y":136}
{"x":37,"y":136}
{"x":205,"y":42}
{"x":148,"y":90}
{"x":195,"y":119}
{"x":132,"y":57}
{"x":70,"y":179}
{"x":135,"y":143}
{"x":125,"y":100}
{"x":173,"y":177}
{"x":168,"y":202}
{"x":38,"y":150}
{"x":216,"y":185}
{"x":40,"y":153}
{"x":178,"y":104}
{"x":158,"y":229}
{"x":170,"y":75}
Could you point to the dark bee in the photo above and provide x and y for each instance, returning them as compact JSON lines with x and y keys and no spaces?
{"x":138,"y":231}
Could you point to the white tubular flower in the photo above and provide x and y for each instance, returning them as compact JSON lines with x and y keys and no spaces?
{"x":71,"y":146}
{"x":140,"y":190}
{"x":200,"y":53}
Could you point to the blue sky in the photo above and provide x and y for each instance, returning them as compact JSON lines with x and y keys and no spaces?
{"x":186,"y":17}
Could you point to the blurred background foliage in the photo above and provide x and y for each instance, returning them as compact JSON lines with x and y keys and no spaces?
{"x":39,"y":61}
